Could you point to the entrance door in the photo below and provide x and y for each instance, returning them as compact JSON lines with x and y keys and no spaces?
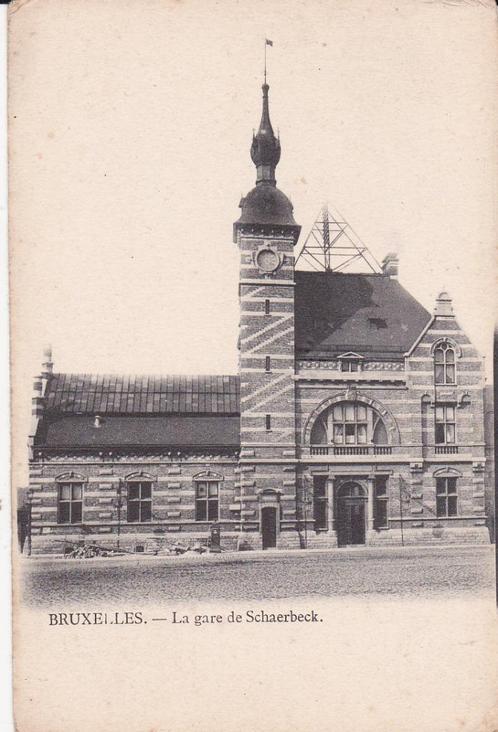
{"x":351,"y":503}
{"x":269,"y":527}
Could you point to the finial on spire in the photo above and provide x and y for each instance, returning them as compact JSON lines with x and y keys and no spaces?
{"x":267,"y":43}
{"x":444,"y":305}
{"x":265,"y":148}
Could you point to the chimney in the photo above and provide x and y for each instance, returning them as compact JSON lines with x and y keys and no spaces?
{"x":390,"y":265}
{"x":444,"y":305}
{"x":47,"y":365}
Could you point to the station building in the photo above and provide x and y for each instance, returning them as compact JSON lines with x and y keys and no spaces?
{"x":357,"y":417}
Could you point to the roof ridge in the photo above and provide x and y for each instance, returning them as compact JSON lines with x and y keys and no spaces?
{"x":136,"y":375}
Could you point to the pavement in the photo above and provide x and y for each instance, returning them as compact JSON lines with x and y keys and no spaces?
{"x":390,"y":571}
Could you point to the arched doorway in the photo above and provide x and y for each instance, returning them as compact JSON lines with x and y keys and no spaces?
{"x":269,"y":527}
{"x":350,"y":514}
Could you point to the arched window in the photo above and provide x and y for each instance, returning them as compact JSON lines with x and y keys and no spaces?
{"x":349,"y":423}
{"x":444,"y":363}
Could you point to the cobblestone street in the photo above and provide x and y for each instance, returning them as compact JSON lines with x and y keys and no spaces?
{"x":409,"y":571}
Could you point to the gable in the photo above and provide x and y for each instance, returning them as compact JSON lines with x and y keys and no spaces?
{"x":371,"y":314}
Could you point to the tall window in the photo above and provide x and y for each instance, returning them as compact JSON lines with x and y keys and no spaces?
{"x":445,"y":424}
{"x":446,"y":497}
{"x":444,"y":364}
{"x":206,"y":501}
{"x":267,"y":363}
{"x":349,"y":423}
{"x":320,"y":501}
{"x":268,"y":422}
{"x":139,"y":501}
{"x":70,"y":503}
{"x":380,"y":508}
{"x":267,"y":307}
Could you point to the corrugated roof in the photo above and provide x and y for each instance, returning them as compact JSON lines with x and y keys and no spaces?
{"x":139,"y":431}
{"x":106,"y":394}
{"x":370,"y":314}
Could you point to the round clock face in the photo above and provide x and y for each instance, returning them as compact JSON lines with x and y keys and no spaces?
{"x":267,"y":260}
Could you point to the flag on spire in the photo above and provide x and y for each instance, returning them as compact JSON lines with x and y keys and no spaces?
{"x":268,"y":42}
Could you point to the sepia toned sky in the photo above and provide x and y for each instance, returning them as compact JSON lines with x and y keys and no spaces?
{"x":130,"y":128}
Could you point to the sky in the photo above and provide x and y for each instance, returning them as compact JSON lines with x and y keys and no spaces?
{"x":129,"y":152}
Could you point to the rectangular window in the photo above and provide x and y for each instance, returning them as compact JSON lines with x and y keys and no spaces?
{"x":268,"y":422}
{"x":70,"y":503}
{"x":320,"y":501}
{"x":350,"y":425}
{"x":445,"y":424}
{"x":267,"y":307}
{"x":206,"y":501}
{"x":446,"y":497}
{"x":267,"y":363}
{"x":349,"y":365}
{"x":380,"y":507}
{"x":139,"y":502}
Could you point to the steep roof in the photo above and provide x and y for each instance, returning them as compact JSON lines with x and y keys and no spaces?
{"x":370,"y":314}
{"x":141,"y":431}
{"x":106,"y":394}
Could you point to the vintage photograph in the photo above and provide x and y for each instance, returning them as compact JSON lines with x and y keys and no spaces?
{"x":253,"y":296}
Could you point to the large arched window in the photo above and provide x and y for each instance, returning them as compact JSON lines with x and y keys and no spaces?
{"x":349,"y":423}
{"x":444,"y":363}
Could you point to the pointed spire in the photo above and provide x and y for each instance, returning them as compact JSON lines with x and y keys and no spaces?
{"x":265,"y":148}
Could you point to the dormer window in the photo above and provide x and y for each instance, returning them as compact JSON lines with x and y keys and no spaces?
{"x":350,"y":365}
{"x":377,"y":323}
{"x":350,"y":362}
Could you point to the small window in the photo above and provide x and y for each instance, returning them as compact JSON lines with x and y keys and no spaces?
{"x":380,"y":506}
{"x":445,"y":427}
{"x":267,"y":307}
{"x":446,"y":497}
{"x":206,"y":501}
{"x":444,"y":364}
{"x":267,"y":363}
{"x":268,"y":422}
{"x":377,"y":323}
{"x":350,"y":365}
{"x":70,"y":503}
{"x":139,"y":502}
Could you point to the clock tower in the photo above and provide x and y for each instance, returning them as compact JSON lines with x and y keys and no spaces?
{"x":266,"y":234}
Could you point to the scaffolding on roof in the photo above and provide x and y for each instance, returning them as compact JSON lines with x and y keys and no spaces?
{"x":333,"y":246}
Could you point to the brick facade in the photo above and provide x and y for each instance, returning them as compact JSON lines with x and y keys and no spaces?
{"x":340,"y":433}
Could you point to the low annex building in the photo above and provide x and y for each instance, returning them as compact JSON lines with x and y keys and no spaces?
{"x":357,"y":417}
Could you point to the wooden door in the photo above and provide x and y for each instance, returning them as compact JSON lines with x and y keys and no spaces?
{"x":269,"y":527}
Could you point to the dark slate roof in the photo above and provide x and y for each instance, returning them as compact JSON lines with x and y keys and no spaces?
{"x":266,"y":204}
{"x":140,"y":431}
{"x":370,"y":314}
{"x":104,"y":394}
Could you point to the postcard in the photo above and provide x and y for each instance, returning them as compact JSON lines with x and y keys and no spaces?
{"x":252,"y":269}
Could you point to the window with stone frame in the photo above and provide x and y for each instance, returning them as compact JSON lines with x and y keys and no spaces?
{"x":349,"y":423}
{"x":320,"y":501}
{"x":444,"y":364}
{"x":349,"y":364}
{"x":70,"y":503}
{"x":445,"y":424}
{"x":207,"y":494}
{"x":139,"y":505}
{"x":380,"y":506}
{"x":446,"y":497}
